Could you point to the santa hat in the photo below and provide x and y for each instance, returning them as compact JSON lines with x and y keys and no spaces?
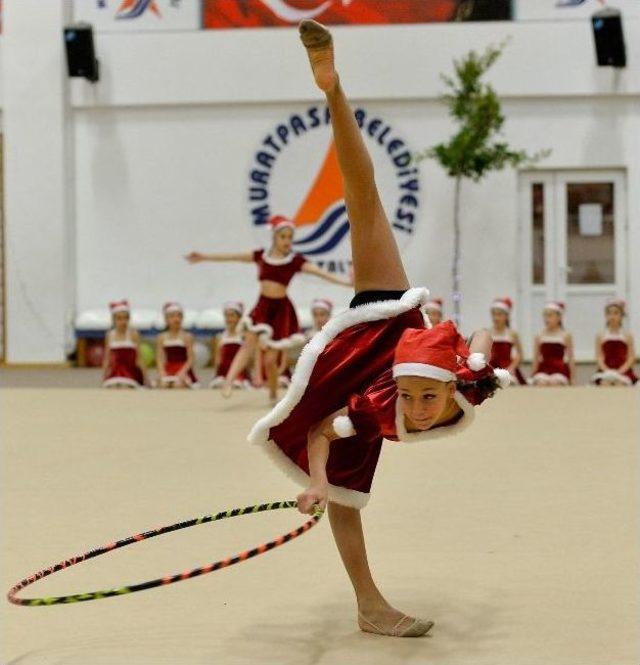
{"x":279,"y":222}
{"x":322,"y":303}
{"x":170,"y":307}
{"x":434,"y":303}
{"x":235,"y":306}
{"x":617,"y":302}
{"x":119,"y":306}
{"x":432,"y":353}
{"x":503,"y":304}
{"x":555,"y":306}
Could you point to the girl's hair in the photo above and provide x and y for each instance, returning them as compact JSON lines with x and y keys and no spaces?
{"x":482,"y":388}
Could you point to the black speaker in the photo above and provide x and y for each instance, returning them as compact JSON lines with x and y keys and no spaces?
{"x":81,"y":55}
{"x":609,"y":38}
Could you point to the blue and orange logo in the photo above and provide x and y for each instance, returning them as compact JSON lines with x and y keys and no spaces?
{"x":135,"y":8}
{"x":280,"y":183}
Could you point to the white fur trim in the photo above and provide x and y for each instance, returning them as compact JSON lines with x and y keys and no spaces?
{"x":377,"y":311}
{"x":476,"y":362}
{"x":423,"y":370}
{"x":174,"y":379}
{"x":343,"y":427}
{"x":611,"y":375}
{"x":543,"y":376}
{"x":504,"y":376}
{"x":277,"y":262}
{"x":297,"y":339}
{"x":239,"y":384}
{"x":501,"y":305}
{"x":120,"y":381}
{"x":437,"y":432}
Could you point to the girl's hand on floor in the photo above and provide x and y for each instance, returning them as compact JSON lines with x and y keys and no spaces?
{"x":316,"y":494}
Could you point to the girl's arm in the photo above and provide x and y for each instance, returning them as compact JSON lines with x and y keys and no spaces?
{"x":198,"y":257}
{"x":571,"y":358}
{"x":600,"y":355}
{"x":516,"y":356}
{"x":319,"y":441}
{"x":631,"y":355}
{"x":312,"y":269}
{"x":481,"y":342}
{"x":106,"y":359}
{"x":535,"y":361}
{"x":160,"y":357}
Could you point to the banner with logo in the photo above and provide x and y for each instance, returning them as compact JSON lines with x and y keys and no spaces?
{"x":139,"y":15}
{"x":272,"y":13}
{"x":294,"y":172}
{"x":554,"y":10}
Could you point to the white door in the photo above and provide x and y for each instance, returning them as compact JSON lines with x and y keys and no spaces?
{"x":573,"y":229}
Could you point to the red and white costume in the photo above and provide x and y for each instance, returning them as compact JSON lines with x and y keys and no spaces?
{"x":553,"y":351}
{"x":318,"y":303}
{"x":615,"y":350}
{"x":176,"y":354}
{"x":349,"y":363}
{"x":229,"y":343}
{"x":503,"y":343}
{"x":122,"y":369}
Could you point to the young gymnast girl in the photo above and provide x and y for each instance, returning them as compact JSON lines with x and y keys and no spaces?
{"x":273,"y":319}
{"x":122,"y":366}
{"x":174,"y":351}
{"x":433,"y":309}
{"x":321,"y":310}
{"x":615,"y":349}
{"x":506,"y":351}
{"x":374,"y":371}
{"x":228,"y":344}
{"x":553,"y":360}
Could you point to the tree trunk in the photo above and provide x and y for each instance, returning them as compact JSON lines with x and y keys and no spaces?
{"x":456,"y":267}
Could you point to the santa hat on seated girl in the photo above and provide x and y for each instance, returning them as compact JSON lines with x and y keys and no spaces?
{"x":171,"y":307}
{"x":555,"y":306}
{"x":234,"y":306}
{"x":503,"y":304}
{"x":322,"y":303}
{"x":119,"y":306}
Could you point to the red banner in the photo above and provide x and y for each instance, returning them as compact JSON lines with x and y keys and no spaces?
{"x":278,"y":13}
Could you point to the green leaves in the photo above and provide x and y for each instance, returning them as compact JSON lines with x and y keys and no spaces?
{"x":473,"y":150}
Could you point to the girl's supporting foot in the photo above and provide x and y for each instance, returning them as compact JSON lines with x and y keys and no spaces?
{"x":319,"y":44}
{"x":385,"y":620}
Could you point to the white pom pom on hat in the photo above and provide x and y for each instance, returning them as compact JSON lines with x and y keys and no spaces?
{"x":476,"y":362}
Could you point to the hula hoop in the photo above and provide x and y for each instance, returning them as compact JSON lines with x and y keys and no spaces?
{"x":168,"y":579}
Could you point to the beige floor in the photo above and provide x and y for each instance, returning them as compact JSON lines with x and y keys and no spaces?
{"x":519,"y":538}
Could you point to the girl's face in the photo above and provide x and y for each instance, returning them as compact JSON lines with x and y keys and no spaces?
{"x":613,"y":314}
{"x":231,"y":318}
{"x":320,"y":317}
{"x":423,"y":402}
{"x":435,"y":316}
{"x":173,"y":320}
{"x":283,"y":240}
{"x":121,"y":320}
{"x":499,"y":318}
{"x":551,"y":318}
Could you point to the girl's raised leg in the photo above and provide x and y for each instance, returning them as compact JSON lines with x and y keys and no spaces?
{"x":376,"y":259}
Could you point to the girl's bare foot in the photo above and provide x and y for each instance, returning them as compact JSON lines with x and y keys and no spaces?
{"x":226,"y":390}
{"x":319,"y":44}
{"x":385,"y":620}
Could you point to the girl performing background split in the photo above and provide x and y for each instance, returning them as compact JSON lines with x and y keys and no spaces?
{"x":374,"y":371}
{"x":273,"y":320}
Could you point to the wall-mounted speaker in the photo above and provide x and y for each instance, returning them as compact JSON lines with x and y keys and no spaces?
{"x":81,"y":55}
{"x":609,"y":38}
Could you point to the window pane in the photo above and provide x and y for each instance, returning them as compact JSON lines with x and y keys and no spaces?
{"x":537,"y":245}
{"x":590,"y":233}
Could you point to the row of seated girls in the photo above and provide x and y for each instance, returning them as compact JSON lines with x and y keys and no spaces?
{"x":123,"y":368}
{"x":553,"y":358}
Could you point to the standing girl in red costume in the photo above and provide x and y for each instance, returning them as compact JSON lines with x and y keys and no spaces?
{"x":506,"y":351}
{"x":374,"y":371}
{"x":122,"y":366}
{"x":273,"y":320}
{"x":228,"y":343}
{"x":553,"y":360}
{"x":174,"y":351}
{"x":433,"y":309}
{"x":615,"y":350}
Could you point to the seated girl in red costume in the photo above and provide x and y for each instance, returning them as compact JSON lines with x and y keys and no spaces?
{"x":122,"y":366}
{"x":273,"y":320}
{"x":228,"y":343}
{"x":553,"y":361}
{"x":506,"y":351}
{"x":321,"y":310}
{"x":615,"y":350}
{"x":434,"y":310}
{"x":174,"y":351}
{"x":374,"y":371}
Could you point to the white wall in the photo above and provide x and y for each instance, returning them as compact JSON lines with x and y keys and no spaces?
{"x":163,"y":146}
